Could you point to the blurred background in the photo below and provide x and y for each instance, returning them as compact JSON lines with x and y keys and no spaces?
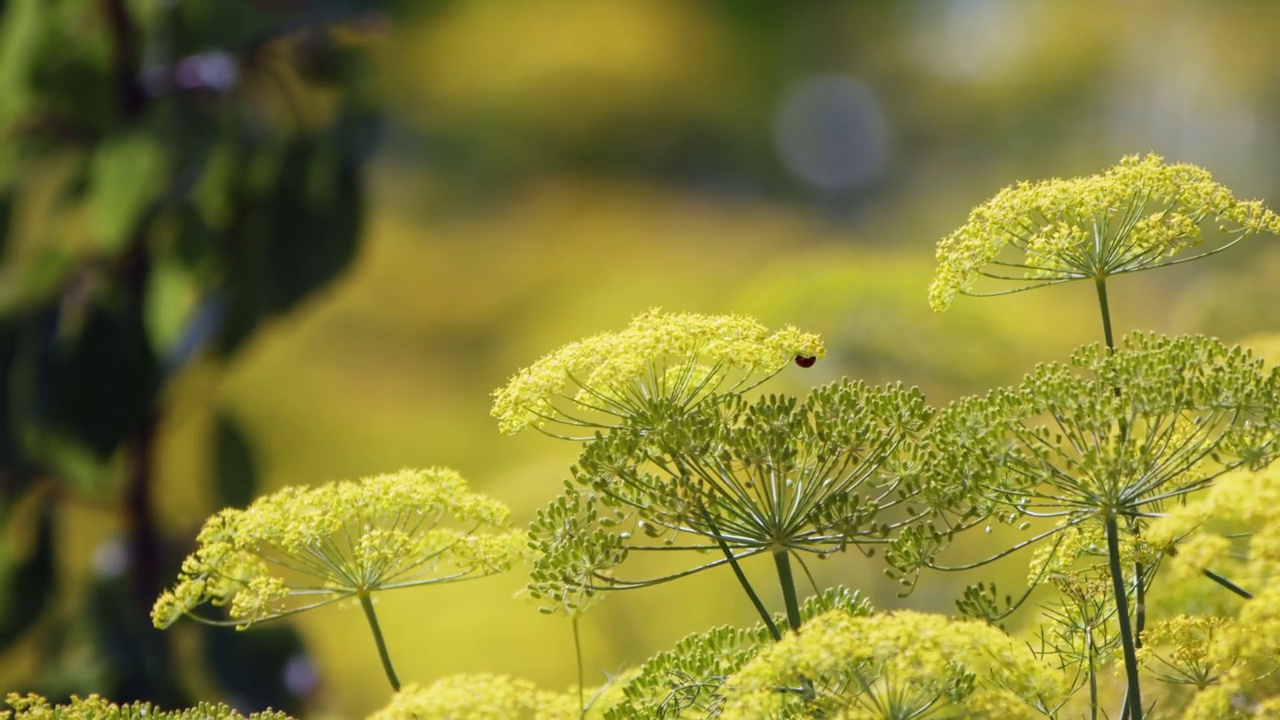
{"x":248,"y":243}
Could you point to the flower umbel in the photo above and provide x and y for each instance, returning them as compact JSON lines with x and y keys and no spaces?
{"x":661,"y":363}
{"x":479,"y":697}
{"x":301,"y":547}
{"x":736,"y":479}
{"x":1138,"y":215}
{"x":897,"y":665}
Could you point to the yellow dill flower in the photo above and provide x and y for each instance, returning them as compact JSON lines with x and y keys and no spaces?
{"x":303,"y":547}
{"x":1249,"y":649}
{"x":902,"y":664}
{"x":479,"y":697}
{"x":35,"y":707}
{"x":660,"y":362}
{"x":1178,"y":650}
{"x":1138,"y":215}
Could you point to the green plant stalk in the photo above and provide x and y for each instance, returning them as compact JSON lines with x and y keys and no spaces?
{"x":1093,"y":676}
{"x":577,"y":649}
{"x":366,"y":604}
{"x":1139,"y":579}
{"x":782,"y":559}
{"x":1101,"y":285}
{"x":1133,"y":697}
{"x":1227,"y":584}
{"x":756,"y":602}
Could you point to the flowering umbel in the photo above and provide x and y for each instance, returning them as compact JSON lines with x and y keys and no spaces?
{"x":304,"y":547}
{"x":660,"y":363}
{"x":896,"y":665}
{"x":1140,"y":214}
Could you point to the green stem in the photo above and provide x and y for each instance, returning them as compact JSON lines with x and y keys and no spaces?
{"x":1133,"y":697}
{"x":577,"y":649}
{"x":1227,"y":584}
{"x":1139,"y":604}
{"x":1101,"y":284}
{"x":366,"y":604}
{"x":756,"y":602}
{"x":1093,"y":676}
{"x":782,"y":559}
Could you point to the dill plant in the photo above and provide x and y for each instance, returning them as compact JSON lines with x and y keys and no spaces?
{"x":1102,"y":445}
{"x":686,"y":463}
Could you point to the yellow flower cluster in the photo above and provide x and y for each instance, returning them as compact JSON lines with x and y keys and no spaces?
{"x":660,"y":356}
{"x":893,"y":665}
{"x":1246,"y":651}
{"x":1179,"y":650}
{"x":479,"y":697}
{"x":303,"y":547}
{"x":1135,"y":216}
{"x":35,"y":707}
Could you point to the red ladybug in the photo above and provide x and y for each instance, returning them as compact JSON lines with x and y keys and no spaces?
{"x":805,"y":361}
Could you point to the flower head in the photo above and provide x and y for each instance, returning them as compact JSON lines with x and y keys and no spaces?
{"x":688,"y":681}
{"x":659,"y":362}
{"x":1138,"y":215}
{"x":902,"y":664}
{"x":479,"y":697}
{"x":734,"y":478}
{"x":303,"y":547}
{"x":1120,"y":433}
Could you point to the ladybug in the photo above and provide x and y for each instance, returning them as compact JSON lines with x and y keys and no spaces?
{"x":806,"y":361}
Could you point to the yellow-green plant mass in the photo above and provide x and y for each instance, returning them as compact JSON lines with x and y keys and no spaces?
{"x":93,"y":707}
{"x":888,"y":666}
{"x":1140,"y":214}
{"x":1129,"y":455}
{"x":303,"y":547}
{"x":659,"y":358}
{"x":479,"y":697}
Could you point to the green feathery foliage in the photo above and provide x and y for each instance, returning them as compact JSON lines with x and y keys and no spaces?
{"x":661,"y":364}
{"x":1139,"y":215}
{"x":889,"y":666}
{"x":735,"y":478}
{"x":35,"y":707}
{"x":688,"y":681}
{"x":300,"y":548}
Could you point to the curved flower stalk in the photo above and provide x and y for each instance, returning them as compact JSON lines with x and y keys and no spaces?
{"x":1140,"y":214}
{"x":688,"y":681}
{"x":1108,"y":443}
{"x":36,"y":707}
{"x":736,"y":479}
{"x":661,"y":364}
{"x":480,"y":697}
{"x":897,"y":665}
{"x":304,"y":547}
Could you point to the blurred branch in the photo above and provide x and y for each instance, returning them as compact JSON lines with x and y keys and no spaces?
{"x":124,"y":36}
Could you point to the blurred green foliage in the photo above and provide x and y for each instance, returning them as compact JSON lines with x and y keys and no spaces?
{"x":172,"y":176}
